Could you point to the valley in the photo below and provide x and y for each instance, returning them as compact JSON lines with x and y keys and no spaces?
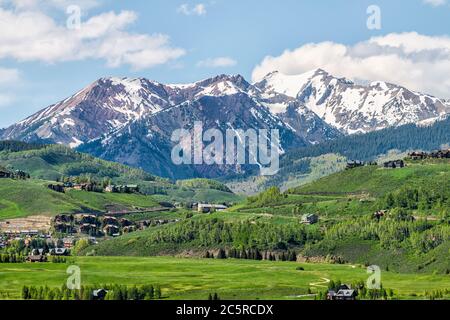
{"x":332,"y":228}
{"x":182,"y":278}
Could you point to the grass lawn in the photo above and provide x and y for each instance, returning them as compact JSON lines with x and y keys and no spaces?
{"x":182,"y":278}
{"x":22,"y":198}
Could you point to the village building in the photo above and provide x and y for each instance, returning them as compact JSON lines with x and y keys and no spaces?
{"x":379,"y":214}
{"x":208,"y":208}
{"x":110,"y":221}
{"x":344,"y":292}
{"x":354,"y":164}
{"x":99,"y":294}
{"x":88,"y":218}
{"x":310,"y":218}
{"x":56,"y":187}
{"x":5,"y":174}
{"x":394,"y":164}
{"x":37,"y":258}
{"x":88,"y":228}
{"x":111,"y":230}
{"x":59,"y":252}
{"x":131,"y":188}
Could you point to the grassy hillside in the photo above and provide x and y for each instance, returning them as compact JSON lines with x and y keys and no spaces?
{"x":55,"y":162}
{"x":377,"y":181}
{"x":51,"y":162}
{"x":414,"y":236}
{"x":31,"y":197}
{"x":300,"y":166}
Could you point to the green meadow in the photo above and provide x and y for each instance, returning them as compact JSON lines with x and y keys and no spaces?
{"x":183,"y":278}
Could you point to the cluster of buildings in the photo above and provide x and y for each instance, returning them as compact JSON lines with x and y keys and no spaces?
{"x":440,"y":154}
{"x":395,"y":164}
{"x":17,"y":174}
{"x":344,"y":292}
{"x":93,"y":187}
{"x":92,"y":225}
{"x":310,"y":218}
{"x":208,"y":208}
{"x":356,"y":164}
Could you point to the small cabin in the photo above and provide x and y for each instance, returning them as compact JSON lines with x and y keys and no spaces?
{"x":56,"y":187}
{"x":99,"y":294}
{"x":354,"y":164}
{"x":37,"y":258}
{"x":310,"y":218}
{"x":394,"y":164}
{"x":5,"y":174}
{"x":208,"y":208}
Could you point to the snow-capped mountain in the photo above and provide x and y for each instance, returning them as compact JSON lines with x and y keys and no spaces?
{"x":350,"y":107}
{"x":131,"y":120}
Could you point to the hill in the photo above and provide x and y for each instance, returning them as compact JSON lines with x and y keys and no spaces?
{"x":21,"y":198}
{"x":302,"y":165}
{"x":411,"y":235}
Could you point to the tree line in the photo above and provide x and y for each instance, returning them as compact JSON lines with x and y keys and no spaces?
{"x":114,"y":292}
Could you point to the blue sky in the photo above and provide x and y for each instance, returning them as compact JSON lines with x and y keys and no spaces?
{"x":185,"y":41}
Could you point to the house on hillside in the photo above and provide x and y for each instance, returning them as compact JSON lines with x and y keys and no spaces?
{"x":37,"y":258}
{"x":5,"y":174}
{"x":107,"y":220}
{"x":379,"y":214}
{"x":417,"y":155}
{"x":130,"y":188}
{"x":394,"y":164}
{"x":56,"y":187}
{"x":59,"y":252}
{"x":99,"y":294}
{"x":208,"y":208}
{"x":21,"y":175}
{"x":111,"y":230}
{"x":344,"y":292}
{"x":310,"y":218}
{"x":354,"y":164}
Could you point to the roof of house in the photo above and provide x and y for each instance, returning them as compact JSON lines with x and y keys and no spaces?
{"x":346,"y":293}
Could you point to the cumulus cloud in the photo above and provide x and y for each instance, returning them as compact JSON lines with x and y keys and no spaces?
{"x":435,"y":3}
{"x":218,"y":62}
{"x":416,"y":61}
{"x":32,"y":35}
{"x":187,"y":10}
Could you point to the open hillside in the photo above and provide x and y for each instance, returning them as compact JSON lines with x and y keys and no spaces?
{"x":377,"y":181}
{"x":411,"y":235}
{"x":303,"y":165}
{"x":21,"y":198}
{"x":56,"y":163}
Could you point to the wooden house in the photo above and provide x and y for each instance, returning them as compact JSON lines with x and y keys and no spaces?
{"x":394,"y":164}
{"x":310,"y":218}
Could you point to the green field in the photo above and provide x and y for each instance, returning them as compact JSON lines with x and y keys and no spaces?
{"x":182,"y":278}
{"x":21,"y":198}
{"x":377,"y":181}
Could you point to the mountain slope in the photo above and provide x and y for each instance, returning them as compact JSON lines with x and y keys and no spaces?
{"x":298,"y":166}
{"x":351,"y":107}
{"x":131,"y":120}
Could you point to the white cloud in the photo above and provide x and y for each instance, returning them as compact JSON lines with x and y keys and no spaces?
{"x":416,"y":61}
{"x":218,"y":62}
{"x":198,"y":9}
{"x":32,"y":35}
{"x":435,"y":3}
